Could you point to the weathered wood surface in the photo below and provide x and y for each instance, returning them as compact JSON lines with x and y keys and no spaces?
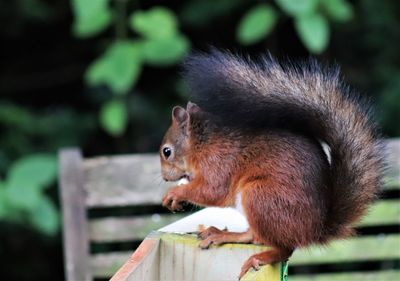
{"x":182,"y":259}
{"x":362,"y":248}
{"x":123,"y":180}
{"x":393,"y":161}
{"x":76,"y":244}
{"x":128,"y":229}
{"x":141,"y":264}
{"x":178,"y":257}
{"x":383,"y":212}
{"x":384,"y":275}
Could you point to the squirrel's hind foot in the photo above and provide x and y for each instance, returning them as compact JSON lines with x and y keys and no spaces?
{"x":268,"y":257}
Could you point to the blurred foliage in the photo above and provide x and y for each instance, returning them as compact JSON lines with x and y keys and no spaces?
{"x":21,"y":193}
{"x":111,"y":68}
{"x":310,"y":18}
{"x":256,"y":24}
{"x":23,"y":198}
{"x":91,"y":17}
{"x":103,"y":74}
{"x":159,"y":43}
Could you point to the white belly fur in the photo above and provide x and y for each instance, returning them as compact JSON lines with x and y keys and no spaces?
{"x":238,"y":204}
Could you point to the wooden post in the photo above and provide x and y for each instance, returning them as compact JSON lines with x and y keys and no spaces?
{"x":172,"y":254}
{"x":393,"y":159}
{"x":76,"y":243}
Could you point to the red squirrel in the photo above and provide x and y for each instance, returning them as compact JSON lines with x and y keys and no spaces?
{"x":253,"y":137}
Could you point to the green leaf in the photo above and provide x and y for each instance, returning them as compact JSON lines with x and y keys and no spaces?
{"x":339,"y":10}
{"x":256,"y":24}
{"x":313,"y":31}
{"x":297,"y":7}
{"x":91,"y":17}
{"x":23,"y":196}
{"x":165,"y":51}
{"x":156,"y":23}
{"x":114,"y":117}
{"x":9,"y":211}
{"x":119,"y":67}
{"x":45,"y":217}
{"x":37,"y":170}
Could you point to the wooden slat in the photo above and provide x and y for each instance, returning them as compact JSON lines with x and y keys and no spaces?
{"x":123,"y":180}
{"x":127,"y":229}
{"x":76,"y":245}
{"x":384,"y":275}
{"x":354,"y":249}
{"x":383,"y":212}
{"x":107,"y":264}
{"x":393,"y":160}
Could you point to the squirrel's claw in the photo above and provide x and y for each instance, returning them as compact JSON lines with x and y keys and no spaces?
{"x":205,"y":244}
{"x":252,"y":262}
{"x":172,"y":201}
{"x":176,"y":205}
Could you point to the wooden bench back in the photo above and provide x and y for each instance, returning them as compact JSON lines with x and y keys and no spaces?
{"x":104,"y":182}
{"x":134,"y":180}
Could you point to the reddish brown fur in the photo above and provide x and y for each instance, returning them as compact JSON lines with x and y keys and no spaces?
{"x":285,"y":206}
{"x":241,"y":145}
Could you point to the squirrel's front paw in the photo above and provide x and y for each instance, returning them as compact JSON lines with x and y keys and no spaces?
{"x":173,"y":199}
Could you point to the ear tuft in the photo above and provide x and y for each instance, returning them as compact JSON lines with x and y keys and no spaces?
{"x":192,"y":107}
{"x":179,"y":115}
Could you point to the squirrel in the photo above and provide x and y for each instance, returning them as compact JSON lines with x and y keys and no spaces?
{"x":252,"y":138}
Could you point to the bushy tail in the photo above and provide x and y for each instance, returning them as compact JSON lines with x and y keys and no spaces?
{"x":303,"y":97}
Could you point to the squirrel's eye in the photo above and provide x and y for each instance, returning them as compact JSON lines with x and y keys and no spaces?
{"x":167,"y":152}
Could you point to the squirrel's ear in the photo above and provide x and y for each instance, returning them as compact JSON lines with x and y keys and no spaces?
{"x":179,"y":116}
{"x":192,"y":107}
